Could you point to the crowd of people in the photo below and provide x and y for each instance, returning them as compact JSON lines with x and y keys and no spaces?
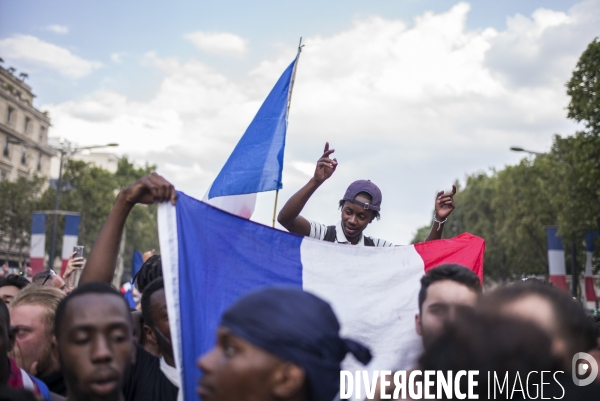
{"x":275,"y":343}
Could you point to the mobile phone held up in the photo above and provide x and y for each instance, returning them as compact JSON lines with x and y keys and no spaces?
{"x":79,"y":250}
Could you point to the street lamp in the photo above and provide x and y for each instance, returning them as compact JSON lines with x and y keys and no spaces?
{"x":65,"y":150}
{"x":531,"y":152}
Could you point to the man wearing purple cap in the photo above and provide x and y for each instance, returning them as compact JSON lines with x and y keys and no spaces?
{"x":360,"y":205}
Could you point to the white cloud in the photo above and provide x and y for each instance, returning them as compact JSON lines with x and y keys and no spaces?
{"x":411,"y":107}
{"x":32,"y":52}
{"x":219,"y":42}
{"x":117,"y":58}
{"x":59,"y":29}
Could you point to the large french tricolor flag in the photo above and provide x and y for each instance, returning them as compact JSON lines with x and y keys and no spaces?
{"x":69,"y":239}
{"x":210,"y":258}
{"x":37,"y":249}
{"x":556,"y":259}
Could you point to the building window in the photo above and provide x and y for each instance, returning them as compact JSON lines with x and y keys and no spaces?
{"x":9,"y":115}
{"x":39,"y":163}
{"x":6,"y":147}
{"x":27,"y":123}
{"x":24,"y":155}
{"x":42,"y":130}
{"x":3,"y":175}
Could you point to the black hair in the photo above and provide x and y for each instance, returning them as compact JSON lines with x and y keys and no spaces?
{"x":480,"y":342}
{"x":84,"y":289}
{"x":14,"y":280}
{"x":374,"y":213}
{"x":571,"y":320}
{"x":457,"y":273}
{"x":150,"y":271}
{"x":154,"y":286}
{"x":4,"y":314}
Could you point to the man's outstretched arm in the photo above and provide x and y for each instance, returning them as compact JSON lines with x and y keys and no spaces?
{"x":444,"y":205}
{"x":102,"y":259}
{"x":289,"y":215}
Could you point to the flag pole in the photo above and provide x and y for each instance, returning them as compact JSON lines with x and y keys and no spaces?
{"x":300,"y":46}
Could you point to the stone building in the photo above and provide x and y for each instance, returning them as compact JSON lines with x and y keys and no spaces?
{"x":24,"y":149}
{"x":23,"y":131}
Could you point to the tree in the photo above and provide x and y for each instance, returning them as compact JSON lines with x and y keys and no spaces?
{"x":575,"y":179}
{"x":91,"y":191}
{"x":584,"y":88}
{"x":18,"y":200}
{"x":23,"y":75}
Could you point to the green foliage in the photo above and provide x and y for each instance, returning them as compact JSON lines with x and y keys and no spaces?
{"x":575,"y":181}
{"x":584,"y":88}
{"x":91,"y":191}
{"x":18,"y":200}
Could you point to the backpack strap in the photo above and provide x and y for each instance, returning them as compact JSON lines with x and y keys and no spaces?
{"x":369,"y":241}
{"x":329,"y":234}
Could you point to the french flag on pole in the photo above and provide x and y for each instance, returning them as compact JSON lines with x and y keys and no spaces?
{"x":256,"y":163}
{"x":69,"y":239}
{"x":210,"y":258}
{"x":556,"y":259}
{"x":590,"y":290}
{"x":37,"y":249}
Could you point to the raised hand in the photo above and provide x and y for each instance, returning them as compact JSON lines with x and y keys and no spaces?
{"x":325,"y":165}
{"x":444,"y":204}
{"x":73,"y":265}
{"x":150,"y":189}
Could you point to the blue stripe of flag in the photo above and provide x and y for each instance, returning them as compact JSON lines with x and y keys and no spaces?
{"x":554,"y":243}
{"x":38,"y":223}
{"x":221,"y":274}
{"x":72,"y":225}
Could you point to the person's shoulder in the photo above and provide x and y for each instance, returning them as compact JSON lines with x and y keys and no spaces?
{"x":144,"y":357}
{"x":317,"y":230}
{"x":378,"y":242}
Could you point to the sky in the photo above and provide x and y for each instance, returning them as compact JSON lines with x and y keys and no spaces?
{"x":413,"y":95}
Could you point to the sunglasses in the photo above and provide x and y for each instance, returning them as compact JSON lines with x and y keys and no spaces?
{"x":50,"y":274}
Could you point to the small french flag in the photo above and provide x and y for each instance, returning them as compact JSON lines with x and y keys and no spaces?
{"x":556,"y":259}
{"x":37,"y":249}
{"x":69,"y":239}
{"x":590,"y":290}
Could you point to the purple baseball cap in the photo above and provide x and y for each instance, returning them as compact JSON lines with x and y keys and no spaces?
{"x":364,"y":186}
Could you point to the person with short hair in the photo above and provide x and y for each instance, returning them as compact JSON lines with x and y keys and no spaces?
{"x":360,"y":205}
{"x":32,"y":315}
{"x":10,"y":285}
{"x":154,"y":378}
{"x":94,"y":341}
{"x":503,"y":346}
{"x":13,"y":378}
{"x":559,"y":315}
{"x":278,"y":343}
{"x":51,"y":279}
{"x":101,"y":265}
{"x":444,"y":290}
